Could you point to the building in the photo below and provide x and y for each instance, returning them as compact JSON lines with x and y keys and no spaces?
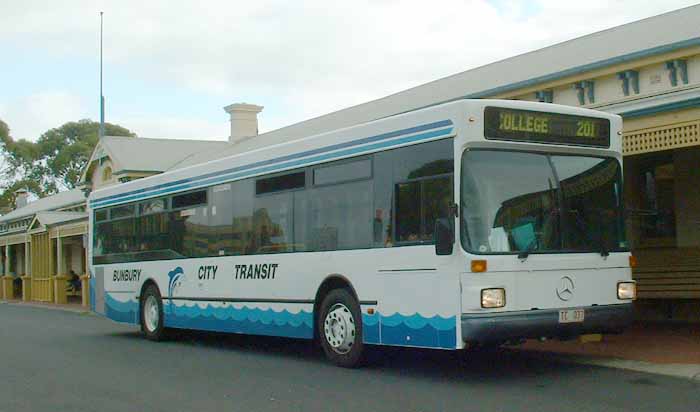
{"x":43,"y":254}
{"x":42,"y":243}
{"x":647,"y":71}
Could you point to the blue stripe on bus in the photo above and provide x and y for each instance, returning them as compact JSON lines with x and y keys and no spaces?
{"x":255,"y":168}
{"x":121,"y":197}
{"x":397,"y":329}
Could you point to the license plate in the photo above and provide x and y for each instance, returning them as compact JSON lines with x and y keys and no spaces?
{"x":571,"y":315}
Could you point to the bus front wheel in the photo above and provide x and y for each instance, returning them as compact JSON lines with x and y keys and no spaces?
{"x":152,"y":314}
{"x":340,"y":328}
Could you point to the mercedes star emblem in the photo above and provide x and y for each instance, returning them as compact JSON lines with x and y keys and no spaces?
{"x":565,"y":290}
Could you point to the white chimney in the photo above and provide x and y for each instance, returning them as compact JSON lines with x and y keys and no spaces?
{"x":21,"y":198}
{"x":244,"y":121}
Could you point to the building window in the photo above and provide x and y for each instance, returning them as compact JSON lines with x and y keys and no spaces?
{"x":545,"y":96}
{"x":677,"y":72}
{"x":585,"y":91}
{"x":107,"y":174}
{"x":630,"y":82}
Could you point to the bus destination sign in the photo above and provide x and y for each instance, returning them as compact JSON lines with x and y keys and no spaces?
{"x":542,"y":127}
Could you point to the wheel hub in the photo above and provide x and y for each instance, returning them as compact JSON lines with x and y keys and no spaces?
{"x":151,"y":314}
{"x":339,"y":328}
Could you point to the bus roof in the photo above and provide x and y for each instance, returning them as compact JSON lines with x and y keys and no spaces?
{"x":412,"y":127}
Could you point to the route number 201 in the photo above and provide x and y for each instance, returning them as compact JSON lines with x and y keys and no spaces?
{"x":586,"y":128}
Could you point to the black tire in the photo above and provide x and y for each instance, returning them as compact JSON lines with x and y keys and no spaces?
{"x":342,"y":300}
{"x":159,"y":332}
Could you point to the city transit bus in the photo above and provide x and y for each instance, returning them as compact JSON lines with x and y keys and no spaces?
{"x":474,"y":222}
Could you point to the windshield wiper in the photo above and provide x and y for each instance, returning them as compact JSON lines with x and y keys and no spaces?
{"x":525,"y":253}
{"x":603,"y":250}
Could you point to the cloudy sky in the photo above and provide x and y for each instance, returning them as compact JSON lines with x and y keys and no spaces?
{"x":170,"y":66}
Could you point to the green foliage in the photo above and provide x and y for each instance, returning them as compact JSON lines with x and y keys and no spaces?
{"x":54,"y":162}
{"x":67,"y":149}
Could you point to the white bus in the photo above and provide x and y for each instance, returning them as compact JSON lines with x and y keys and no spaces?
{"x":471,"y":222}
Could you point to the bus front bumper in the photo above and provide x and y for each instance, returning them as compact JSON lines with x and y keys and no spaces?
{"x":510,"y":326}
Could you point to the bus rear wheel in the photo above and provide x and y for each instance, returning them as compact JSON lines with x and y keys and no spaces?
{"x":340,"y":329}
{"x":152,"y":314}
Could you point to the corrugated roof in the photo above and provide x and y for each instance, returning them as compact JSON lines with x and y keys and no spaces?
{"x":654,"y":35}
{"x":57,"y":201}
{"x":154,"y":155}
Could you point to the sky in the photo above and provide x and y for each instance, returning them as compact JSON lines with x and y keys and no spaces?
{"x":171,"y":66}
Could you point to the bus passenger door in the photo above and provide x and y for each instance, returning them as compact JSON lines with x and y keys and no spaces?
{"x":97,"y":291}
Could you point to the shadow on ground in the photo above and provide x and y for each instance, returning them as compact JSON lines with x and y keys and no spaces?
{"x":466,"y":365}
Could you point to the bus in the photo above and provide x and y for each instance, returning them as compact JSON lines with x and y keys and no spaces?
{"x":474,"y":222}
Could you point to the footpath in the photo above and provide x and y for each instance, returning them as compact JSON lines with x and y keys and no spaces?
{"x":663,"y":348}
{"x":69,"y":307}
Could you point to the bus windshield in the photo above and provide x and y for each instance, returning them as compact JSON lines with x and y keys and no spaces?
{"x":514,"y":202}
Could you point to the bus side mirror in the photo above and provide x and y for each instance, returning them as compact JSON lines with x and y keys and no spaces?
{"x":444,"y":237}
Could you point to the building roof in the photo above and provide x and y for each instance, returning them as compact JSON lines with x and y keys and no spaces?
{"x":140,"y":154}
{"x":57,"y":201}
{"x":655,"y":35}
{"x":54,"y":218}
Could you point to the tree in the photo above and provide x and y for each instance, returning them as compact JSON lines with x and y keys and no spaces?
{"x":67,"y":149}
{"x":16,"y":170}
{"x":54,"y":162}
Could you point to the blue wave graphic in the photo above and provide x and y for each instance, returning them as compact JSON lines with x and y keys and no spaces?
{"x":416,"y":321}
{"x":417,"y":330}
{"x":370,"y":328}
{"x":426,"y":337}
{"x":396,"y":329}
{"x":254,"y":321}
{"x":126,"y":312}
{"x":410,"y":330}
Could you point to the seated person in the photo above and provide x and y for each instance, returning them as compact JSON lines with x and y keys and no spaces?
{"x":17,"y":286}
{"x":74,"y":281}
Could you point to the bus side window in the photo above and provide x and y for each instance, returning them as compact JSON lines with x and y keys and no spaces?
{"x":243,"y":193}
{"x":340,"y":216}
{"x":422,"y":179}
{"x":221,"y":220}
{"x":272,"y":224}
{"x":189,"y":220}
{"x":419,"y":204}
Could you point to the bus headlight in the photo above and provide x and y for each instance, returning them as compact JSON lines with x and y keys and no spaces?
{"x":493,"y":298}
{"x":626,"y":290}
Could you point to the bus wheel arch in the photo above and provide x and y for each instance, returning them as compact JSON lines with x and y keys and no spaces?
{"x":150,"y":296}
{"x":333,"y":281}
{"x":145,"y":285}
{"x":339,"y":325}
{"x":338,"y":322}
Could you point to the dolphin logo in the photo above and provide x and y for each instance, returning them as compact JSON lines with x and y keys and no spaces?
{"x":565,"y":290}
{"x":173,"y":276}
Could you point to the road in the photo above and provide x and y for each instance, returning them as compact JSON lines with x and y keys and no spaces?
{"x":62,"y":361}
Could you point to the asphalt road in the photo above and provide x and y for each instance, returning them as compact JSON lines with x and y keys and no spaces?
{"x":60,"y":361}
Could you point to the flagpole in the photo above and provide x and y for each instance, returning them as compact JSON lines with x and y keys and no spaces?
{"x":102,"y":98}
